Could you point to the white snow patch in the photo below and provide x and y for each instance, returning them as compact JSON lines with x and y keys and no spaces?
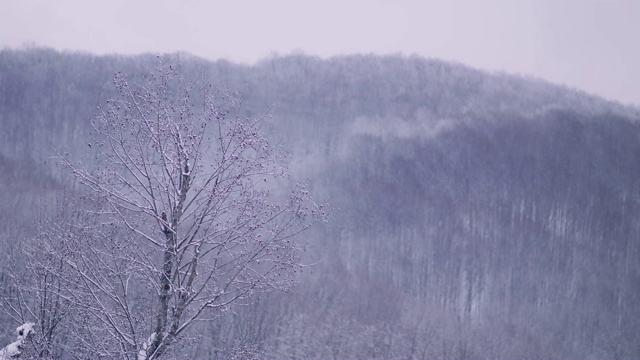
{"x":14,"y":349}
{"x":142,"y":354}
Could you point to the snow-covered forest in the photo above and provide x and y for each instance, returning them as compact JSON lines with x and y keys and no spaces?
{"x":452,"y":213}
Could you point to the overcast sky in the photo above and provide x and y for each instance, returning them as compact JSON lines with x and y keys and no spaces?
{"x":593,"y":45}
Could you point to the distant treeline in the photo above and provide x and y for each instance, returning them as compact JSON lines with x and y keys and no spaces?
{"x":478,"y":215}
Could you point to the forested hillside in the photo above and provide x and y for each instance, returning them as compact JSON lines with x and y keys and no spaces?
{"x":477,"y":215}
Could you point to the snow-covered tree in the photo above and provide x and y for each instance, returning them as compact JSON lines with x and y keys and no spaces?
{"x":181,"y":218}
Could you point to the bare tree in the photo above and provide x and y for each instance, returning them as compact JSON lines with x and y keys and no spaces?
{"x":178,"y":221}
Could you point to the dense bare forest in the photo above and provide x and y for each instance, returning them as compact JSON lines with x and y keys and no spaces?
{"x":475,"y":215}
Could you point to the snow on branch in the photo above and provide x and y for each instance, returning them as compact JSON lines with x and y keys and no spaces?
{"x":142,"y":354}
{"x":13,"y":350}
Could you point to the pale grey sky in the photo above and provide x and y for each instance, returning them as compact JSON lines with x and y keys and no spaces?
{"x":592,"y":45}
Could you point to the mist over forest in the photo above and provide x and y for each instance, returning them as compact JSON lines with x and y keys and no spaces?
{"x":475,"y":215}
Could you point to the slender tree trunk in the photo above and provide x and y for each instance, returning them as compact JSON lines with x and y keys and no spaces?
{"x":163,"y":336}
